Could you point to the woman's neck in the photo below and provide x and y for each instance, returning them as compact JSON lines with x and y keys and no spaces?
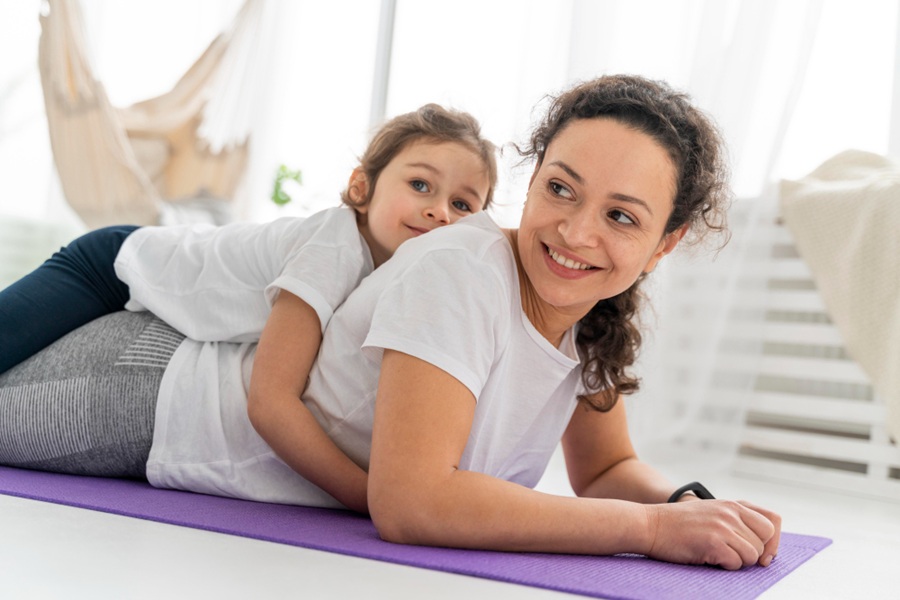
{"x":549,"y":321}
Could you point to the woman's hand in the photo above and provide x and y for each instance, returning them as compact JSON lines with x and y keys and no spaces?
{"x":716,"y":532}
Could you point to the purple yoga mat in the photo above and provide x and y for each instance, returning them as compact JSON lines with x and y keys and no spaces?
{"x":615,"y":577}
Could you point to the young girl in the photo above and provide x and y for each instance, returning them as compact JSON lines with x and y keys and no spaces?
{"x":280,"y":280}
{"x":219,"y":283}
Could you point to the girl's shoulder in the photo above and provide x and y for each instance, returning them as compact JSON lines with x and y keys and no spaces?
{"x":476,"y":236}
{"x":473,"y":253}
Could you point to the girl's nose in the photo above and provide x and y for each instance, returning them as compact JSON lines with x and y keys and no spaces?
{"x":438,"y":212}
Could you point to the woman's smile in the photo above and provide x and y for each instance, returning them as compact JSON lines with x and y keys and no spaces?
{"x":566,"y":266}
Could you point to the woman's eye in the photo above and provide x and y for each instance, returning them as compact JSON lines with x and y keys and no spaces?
{"x":619,"y":217}
{"x":462,"y":206}
{"x":419,"y":185}
{"x":560,"y":190}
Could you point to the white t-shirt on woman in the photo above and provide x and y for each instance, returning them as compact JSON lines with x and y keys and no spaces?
{"x":450,"y":298}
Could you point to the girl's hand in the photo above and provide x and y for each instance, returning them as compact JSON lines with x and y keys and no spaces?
{"x":715,"y":532}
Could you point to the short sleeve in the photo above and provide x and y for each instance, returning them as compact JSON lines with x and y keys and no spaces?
{"x":450,"y":309}
{"x":324,"y":268}
{"x":321,"y":276}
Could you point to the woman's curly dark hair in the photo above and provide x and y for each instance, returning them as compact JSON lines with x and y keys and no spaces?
{"x":608,"y":338}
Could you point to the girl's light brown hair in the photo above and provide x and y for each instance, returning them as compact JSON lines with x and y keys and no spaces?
{"x":431,"y":122}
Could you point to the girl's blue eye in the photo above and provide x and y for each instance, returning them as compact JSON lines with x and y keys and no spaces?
{"x":419,"y":185}
{"x":619,"y":217}
{"x":461,"y":205}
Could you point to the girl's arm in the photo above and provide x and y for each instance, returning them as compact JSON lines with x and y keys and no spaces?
{"x":287,"y":348}
{"x":418,"y":495}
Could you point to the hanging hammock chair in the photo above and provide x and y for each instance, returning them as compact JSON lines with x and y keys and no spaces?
{"x":174,"y":158}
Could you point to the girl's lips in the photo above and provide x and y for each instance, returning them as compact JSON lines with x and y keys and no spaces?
{"x":417,"y":231}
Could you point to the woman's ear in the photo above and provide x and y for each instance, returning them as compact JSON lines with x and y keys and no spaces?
{"x":666,"y":245}
{"x":358,"y":190}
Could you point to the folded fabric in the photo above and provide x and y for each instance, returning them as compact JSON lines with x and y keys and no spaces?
{"x":615,"y":577}
{"x":845,"y":219}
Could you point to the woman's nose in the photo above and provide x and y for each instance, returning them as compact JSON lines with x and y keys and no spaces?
{"x":580,"y":230}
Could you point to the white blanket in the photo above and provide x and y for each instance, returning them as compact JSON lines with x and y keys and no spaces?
{"x":845,"y":218}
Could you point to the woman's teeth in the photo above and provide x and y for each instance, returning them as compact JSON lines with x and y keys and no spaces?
{"x":568,"y":262}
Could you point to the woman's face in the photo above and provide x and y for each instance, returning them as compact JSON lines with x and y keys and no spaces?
{"x":596,"y":210}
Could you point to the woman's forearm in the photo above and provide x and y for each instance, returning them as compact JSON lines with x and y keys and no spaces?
{"x":632,"y":480}
{"x":473,"y":510}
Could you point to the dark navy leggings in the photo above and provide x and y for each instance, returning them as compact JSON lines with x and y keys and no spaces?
{"x":72,"y":288}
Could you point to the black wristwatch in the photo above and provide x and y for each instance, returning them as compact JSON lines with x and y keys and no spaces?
{"x":695,"y":486}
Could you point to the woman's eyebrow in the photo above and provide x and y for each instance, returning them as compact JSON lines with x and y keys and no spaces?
{"x":633,"y":200}
{"x":569,"y":170}
{"x":623,"y":197}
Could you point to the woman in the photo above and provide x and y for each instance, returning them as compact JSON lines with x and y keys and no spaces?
{"x":482,"y":348}
{"x":489,"y":346}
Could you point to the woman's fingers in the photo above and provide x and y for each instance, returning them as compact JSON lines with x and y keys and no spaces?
{"x":757,"y":533}
{"x":770,"y":549}
{"x":718,"y":532}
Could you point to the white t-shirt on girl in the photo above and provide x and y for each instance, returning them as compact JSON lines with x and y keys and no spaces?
{"x":450,"y":298}
{"x":219,"y":283}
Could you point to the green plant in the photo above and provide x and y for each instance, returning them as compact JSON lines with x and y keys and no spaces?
{"x":279,"y":196}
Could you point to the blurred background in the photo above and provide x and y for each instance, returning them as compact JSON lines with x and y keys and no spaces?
{"x":303,"y":84}
{"x":791,"y":83}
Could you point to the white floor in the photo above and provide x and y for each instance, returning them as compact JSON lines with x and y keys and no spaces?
{"x":53,"y":551}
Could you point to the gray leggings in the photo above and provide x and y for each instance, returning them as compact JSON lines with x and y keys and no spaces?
{"x":85,"y":405}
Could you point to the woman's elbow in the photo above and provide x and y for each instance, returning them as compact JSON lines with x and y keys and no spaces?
{"x":398,"y":517}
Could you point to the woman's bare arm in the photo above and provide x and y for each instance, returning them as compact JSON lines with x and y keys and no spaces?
{"x":602,"y":464}
{"x":418,"y":495}
{"x":284,"y":357}
{"x":601,"y":460}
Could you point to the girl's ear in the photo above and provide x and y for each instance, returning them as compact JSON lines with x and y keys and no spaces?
{"x":358,"y":190}
{"x":666,"y":245}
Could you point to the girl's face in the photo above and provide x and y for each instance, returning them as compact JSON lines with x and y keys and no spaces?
{"x":426,"y":185}
{"x":596,"y":210}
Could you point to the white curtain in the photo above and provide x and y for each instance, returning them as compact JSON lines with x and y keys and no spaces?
{"x":790,"y":83}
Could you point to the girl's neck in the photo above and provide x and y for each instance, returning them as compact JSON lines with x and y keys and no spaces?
{"x":549,"y":321}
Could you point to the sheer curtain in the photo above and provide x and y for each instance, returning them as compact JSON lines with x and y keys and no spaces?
{"x":790,"y":83}
{"x":314,"y":80}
